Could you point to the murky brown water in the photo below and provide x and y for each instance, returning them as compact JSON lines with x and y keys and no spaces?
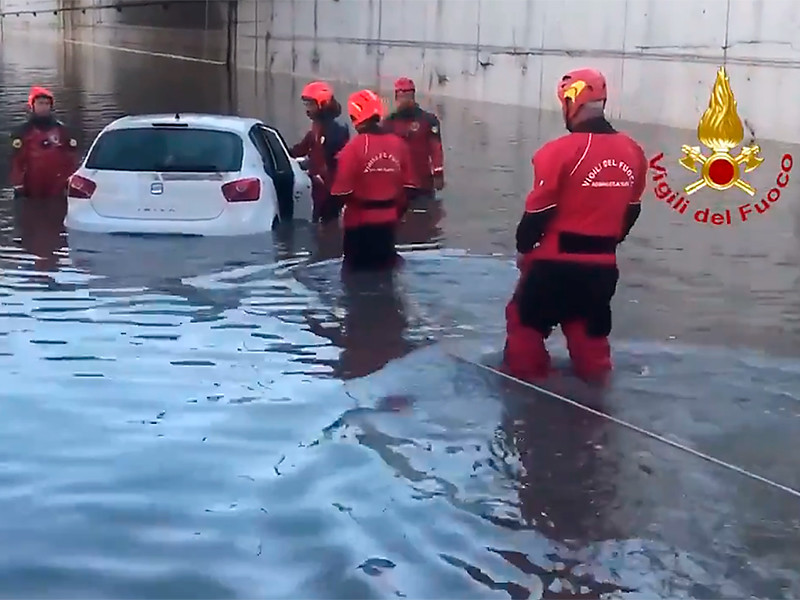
{"x":196,"y":419}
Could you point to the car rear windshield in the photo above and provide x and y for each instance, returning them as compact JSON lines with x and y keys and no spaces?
{"x":167,"y":149}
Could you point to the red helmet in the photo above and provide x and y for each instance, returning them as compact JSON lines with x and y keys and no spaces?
{"x":404,"y":84}
{"x":364,"y":105}
{"x":319,"y":92}
{"x":578,"y":87}
{"x":39,"y":92}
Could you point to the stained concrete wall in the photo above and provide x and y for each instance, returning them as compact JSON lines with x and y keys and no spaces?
{"x":173,"y":14}
{"x":660,"y":55}
{"x":186,"y":27}
{"x":44,"y":14}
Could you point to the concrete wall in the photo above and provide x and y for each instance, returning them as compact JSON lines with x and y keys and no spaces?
{"x":660,"y":55}
{"x":173,"y":14}
{"x":185,"y":27}
{"x":44,"y":14}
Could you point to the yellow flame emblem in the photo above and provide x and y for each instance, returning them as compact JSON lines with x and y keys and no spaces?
{"x":720,"y":129}
{"x":576,"y":88}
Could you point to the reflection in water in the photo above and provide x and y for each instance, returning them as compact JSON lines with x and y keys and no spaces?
{"x":553,"y":503}
{"x":138,"y":261}
{"x":211,"y":274}
{"x":371,"y":332}
{"x":564,"y":485}
{"x":40,"y":226}
{"x":561,"y":485}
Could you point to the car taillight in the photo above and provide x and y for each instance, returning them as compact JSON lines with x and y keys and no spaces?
{"x":80,"y":187}
{"x":242,"y":190}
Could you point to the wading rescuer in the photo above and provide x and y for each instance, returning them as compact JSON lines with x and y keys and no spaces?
{"x":585,"y":199}
{"x":321,"y":144}
{"x":373,"y":175}
{"x":422,"y":131}
{"x":44,"y":154}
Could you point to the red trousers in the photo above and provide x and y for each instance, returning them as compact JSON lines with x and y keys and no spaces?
{"x":525,"y":354}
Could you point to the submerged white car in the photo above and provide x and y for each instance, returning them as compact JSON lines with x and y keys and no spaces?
{"x":187,"y":174}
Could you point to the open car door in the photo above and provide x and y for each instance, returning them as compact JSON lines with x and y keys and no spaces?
{"x":292,"y":184}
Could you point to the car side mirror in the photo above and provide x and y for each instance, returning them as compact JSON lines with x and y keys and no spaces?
{"x":303,"y":163}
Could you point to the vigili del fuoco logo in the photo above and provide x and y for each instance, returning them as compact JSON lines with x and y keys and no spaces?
{"x":720,"y":130}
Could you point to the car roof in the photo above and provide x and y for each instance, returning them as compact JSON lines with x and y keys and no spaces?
{"x":231,"y":123}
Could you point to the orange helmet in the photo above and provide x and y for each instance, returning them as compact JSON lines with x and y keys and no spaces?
{"x":404,"y":84}
{"x":578,"y":87}
{"x":319,"y":92}
{"x":39,"y":92}
{"x":364,"y":105}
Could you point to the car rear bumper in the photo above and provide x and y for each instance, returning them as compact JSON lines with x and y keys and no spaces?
{"x":234,"y":221}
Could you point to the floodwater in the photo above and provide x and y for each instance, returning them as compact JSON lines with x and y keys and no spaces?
{"x":191,"y":418}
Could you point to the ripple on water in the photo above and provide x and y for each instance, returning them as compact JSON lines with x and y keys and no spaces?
{"x":193,"y":435}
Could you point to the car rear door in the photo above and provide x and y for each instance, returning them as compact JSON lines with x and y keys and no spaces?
{"x":283,"y":174}
{"x":163,"y":172}
{"x":303,"y":205}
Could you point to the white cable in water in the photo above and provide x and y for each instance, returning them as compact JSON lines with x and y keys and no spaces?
{"x":632,"y":427}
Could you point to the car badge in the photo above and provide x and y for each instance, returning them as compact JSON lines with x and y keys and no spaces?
{"x":156,"y":188}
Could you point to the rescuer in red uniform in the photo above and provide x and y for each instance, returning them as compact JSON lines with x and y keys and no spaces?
{"x":585,"y":199}
{"x":373,"y":175}
{"x":422,"y":131}
{"x":44,"y":153}
{"x":321,"y":144}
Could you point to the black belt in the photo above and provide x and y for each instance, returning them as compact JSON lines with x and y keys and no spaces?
{"x":577,"y":243}
{"x":377,"y":204}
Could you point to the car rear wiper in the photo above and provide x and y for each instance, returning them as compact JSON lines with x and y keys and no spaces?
{"x":187,"y":168}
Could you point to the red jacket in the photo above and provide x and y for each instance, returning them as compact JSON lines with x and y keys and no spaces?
{"x":422,"y":131}
{"x":373,"y":172}
{"x":586,"y":196}
{"x":44,"y":157}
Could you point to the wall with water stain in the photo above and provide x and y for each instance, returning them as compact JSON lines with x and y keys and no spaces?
{"x":182,"y":14}
{"x":190,"y":27}
{"x":660,"y":55}
{"x":48,"y":14}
